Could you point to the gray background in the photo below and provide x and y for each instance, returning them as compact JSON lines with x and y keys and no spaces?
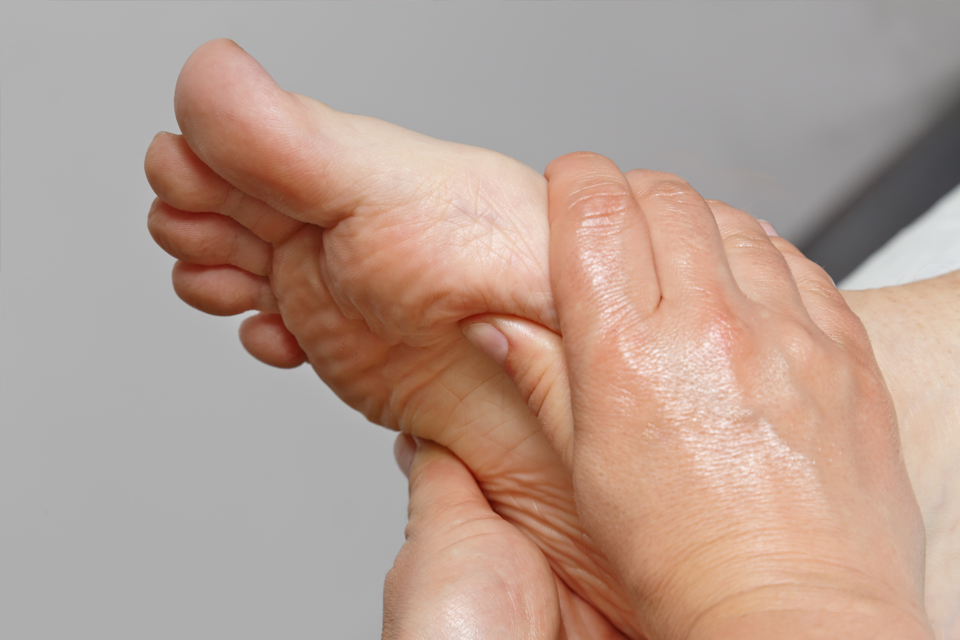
{"x":155,"y":481}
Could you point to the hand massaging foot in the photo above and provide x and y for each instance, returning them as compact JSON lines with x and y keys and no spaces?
{"x":363,"y":245}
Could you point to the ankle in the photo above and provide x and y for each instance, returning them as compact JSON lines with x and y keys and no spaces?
{"x":915,"y":331}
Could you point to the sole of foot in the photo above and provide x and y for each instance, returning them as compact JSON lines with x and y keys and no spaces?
{"x":364,"y":245}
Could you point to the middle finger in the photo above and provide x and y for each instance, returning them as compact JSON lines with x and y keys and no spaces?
{"x":687,"y":248}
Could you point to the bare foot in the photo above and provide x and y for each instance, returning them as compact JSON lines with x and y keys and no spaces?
{"x":915,"y":331}
{"x":373,"y":242}
{"x":363,"y":245}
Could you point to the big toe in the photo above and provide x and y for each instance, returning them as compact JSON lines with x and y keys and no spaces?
{"x":428,"y":211}
{"x":300,"y":156}
{"x":257,"y":136}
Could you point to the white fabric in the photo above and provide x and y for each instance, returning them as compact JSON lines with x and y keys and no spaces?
{"x":928,"y":247}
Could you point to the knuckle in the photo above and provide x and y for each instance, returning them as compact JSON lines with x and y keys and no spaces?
{"x":601,"y":199}
{"x":671,"y":191}
{"x":722,"y":327}
{"x":743,"y":239}
{"x":799,"y":340}
{"x":670,"y":188}
{"x":848,"y":330}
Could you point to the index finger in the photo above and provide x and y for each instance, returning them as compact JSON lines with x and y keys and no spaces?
{"x":599,"y":241}
{"x":605,"y":287}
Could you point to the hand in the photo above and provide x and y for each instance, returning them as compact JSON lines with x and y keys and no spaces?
{"x":464,"y":572}
{"x":733,"y":446}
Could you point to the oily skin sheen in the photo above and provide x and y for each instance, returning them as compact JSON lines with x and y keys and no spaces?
{"x":365,"y":246}
{"x":735,"y":451}
{"x":734,"y":442}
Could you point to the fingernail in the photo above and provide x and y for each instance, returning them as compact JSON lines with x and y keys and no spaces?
{"x":769,"y":229}
{"x":488,"y":340}
{"x":404,"y":449}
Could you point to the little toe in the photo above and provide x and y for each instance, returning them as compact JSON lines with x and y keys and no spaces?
{"x":207,"y":239}
{"x":267,"y":339}
{"x":183,"y":181}
{"x":222,"y":290}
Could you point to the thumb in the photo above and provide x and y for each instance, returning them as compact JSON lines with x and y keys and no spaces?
{"x":532,"y":356}
{"x":463,"y":571}
{"x":443,"y":492}
{"x":422,"y":585}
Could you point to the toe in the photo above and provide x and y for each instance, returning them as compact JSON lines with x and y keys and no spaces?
{"x":296,"y":154}
{"x":266,"y":338}
{"x":183,"y":181}
{"x":222,"y":290}
{"x":388,"y":193}
{"x":245,"y":127}
{"x":207,"y":239}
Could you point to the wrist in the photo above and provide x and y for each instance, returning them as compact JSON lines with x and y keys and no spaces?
{"x":796,"y":615}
